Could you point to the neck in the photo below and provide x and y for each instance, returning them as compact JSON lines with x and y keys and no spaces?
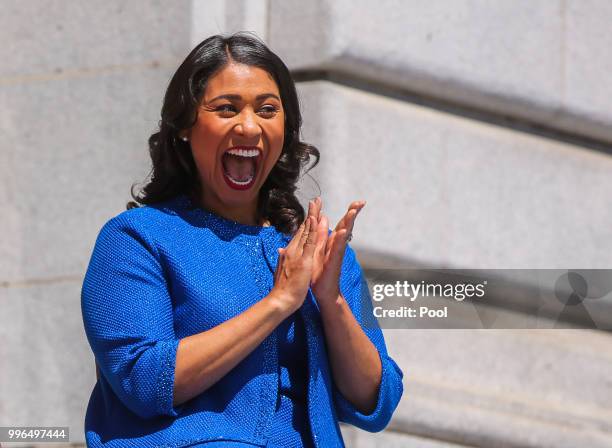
{"x":243,"y":214}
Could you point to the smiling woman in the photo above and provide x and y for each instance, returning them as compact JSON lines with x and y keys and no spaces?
{"x":237,"y":139}
{"x":219,"y":312}
{"x":231,"y":92}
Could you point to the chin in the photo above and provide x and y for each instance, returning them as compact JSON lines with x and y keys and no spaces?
{"x":239,"y":198}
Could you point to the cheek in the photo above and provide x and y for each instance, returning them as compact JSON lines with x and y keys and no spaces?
{"x":205,"y":141}
{"x":209,"y":130}
{"x":278,"y":136}
{"x":277,"y":145}
{"x":203,"y":155}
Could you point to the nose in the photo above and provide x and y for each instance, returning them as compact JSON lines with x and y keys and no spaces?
{"x":247,"y":125}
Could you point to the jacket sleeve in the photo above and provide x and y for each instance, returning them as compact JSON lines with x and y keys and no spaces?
{"x":354,"y":288}
{"x":127,"y":314}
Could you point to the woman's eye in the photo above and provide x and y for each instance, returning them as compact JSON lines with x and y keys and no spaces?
{"x":268,"y":111}
{"x":226,"y":109}
{"x":229,"y":110}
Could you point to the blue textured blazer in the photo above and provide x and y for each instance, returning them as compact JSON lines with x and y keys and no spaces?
{"x":160,"y":273}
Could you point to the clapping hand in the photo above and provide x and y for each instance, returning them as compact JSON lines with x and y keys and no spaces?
{"x":329,"y":250}
{"x":294,"y":269}
{"x":314,"y":256}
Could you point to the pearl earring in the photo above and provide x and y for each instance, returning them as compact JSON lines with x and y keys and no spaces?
{"x":185,"y":139}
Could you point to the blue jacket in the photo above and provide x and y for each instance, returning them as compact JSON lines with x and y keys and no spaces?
{"x":160,"y":273}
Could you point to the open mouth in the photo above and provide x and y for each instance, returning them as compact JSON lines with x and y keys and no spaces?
{"x":240,"y":165}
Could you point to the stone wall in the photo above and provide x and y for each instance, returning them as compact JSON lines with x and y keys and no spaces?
{"x":479,"y":133}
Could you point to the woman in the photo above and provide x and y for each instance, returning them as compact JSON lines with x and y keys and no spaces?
{"x":218,"y":314}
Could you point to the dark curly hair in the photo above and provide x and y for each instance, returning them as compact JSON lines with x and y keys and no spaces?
{"x":174,"y":171}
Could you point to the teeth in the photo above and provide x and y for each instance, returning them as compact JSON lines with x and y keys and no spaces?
{"x":244,"y":152}
{"x":238,"y":182}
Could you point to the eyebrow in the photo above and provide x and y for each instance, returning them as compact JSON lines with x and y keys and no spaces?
{"x":230,"y":96}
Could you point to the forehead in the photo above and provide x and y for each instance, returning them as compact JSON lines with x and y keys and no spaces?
{"x":240,"y":79}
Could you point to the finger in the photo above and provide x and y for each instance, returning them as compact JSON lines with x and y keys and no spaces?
{"x":308,"y":226}
{"x":311,"y":208}
{"x":336,"y":253}
{"x":351,"y":222}
{"x":346,"y":219}
{"x":322,"y":230}
{"x":322,"y":235}
{"x":353,"y":209}
{"x":314,"y":209}
{"x":318,"y":207}
{"x":342,"y":223}
{"x":279,"y":265}
{"x":293,"y":244}
{"x":330,"y":243}
{"x":357,"y":205}
{"x":311,"y":240}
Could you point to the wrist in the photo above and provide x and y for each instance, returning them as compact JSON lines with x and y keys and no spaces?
{"x":326,"y":295}
{"x":280,"y":303}
{"x":329,"y":304}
